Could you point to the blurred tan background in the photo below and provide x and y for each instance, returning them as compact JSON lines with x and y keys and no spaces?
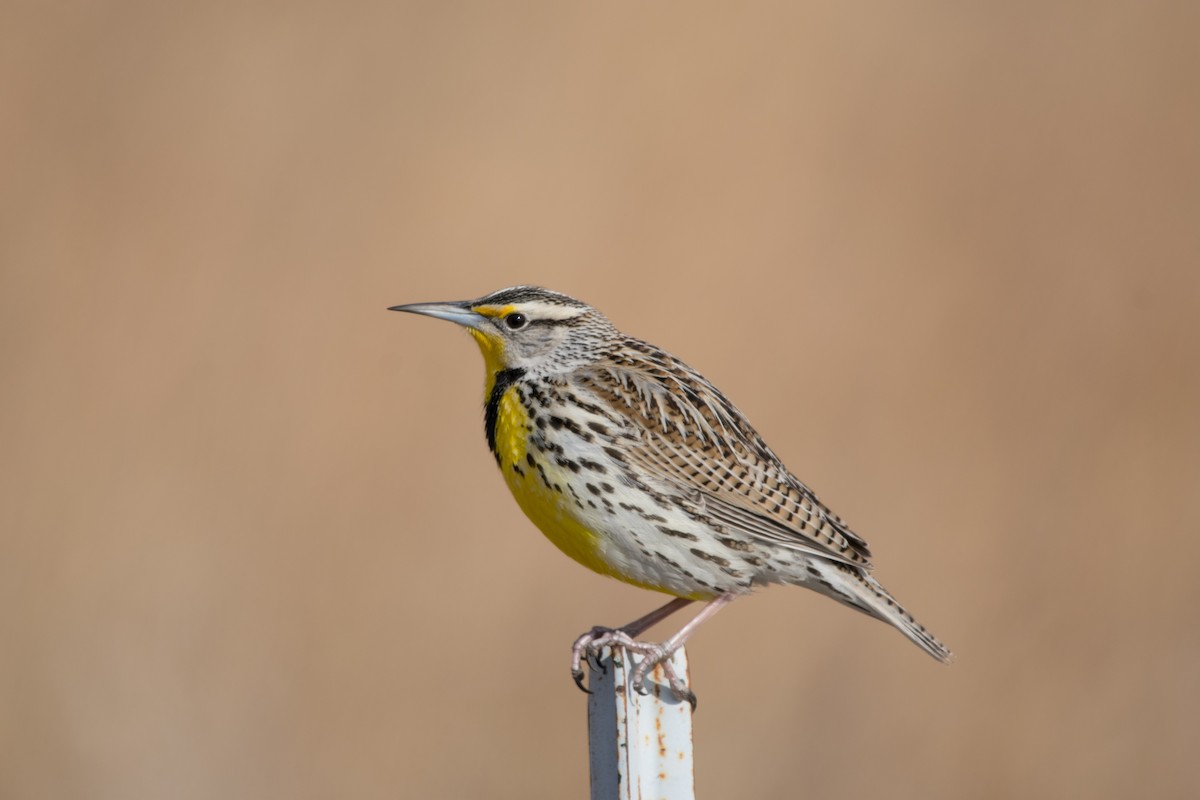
{"x":946,"y":257}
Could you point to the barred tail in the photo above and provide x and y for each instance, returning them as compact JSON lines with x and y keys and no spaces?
{"x":861,"y":591}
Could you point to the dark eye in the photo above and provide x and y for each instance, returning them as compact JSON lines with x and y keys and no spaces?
{"x":515,"y":321}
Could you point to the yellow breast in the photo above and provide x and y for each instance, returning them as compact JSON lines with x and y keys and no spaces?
{"x":547,"y":508}
{"x":550,"y":509}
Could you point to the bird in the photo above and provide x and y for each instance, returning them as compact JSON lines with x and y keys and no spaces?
{"x":636,"y":466}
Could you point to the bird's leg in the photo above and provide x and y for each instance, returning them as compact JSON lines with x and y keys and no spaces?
{"x":643,"y":624}
{"x":599,"y":637}
{"x":653,"y":654}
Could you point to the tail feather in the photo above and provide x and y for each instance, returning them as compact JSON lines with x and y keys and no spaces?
{"x":861,"y":591}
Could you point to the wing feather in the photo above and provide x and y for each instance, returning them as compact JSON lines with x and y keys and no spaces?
{"x":681,"y":431}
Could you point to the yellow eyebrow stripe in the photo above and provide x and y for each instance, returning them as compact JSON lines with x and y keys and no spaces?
{"x":493,"y":311}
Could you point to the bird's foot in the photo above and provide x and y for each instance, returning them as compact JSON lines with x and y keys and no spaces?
{"x":590,"y":646}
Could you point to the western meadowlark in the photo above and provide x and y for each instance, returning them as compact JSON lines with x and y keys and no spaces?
{"x":637,"y":467}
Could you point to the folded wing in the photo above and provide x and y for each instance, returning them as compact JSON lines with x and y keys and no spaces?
{"x":681,"y":431}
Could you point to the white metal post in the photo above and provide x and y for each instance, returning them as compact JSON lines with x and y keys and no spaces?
{"x":640,"y":745}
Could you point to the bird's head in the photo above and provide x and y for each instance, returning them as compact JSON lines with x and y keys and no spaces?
{"x":526,"y":327}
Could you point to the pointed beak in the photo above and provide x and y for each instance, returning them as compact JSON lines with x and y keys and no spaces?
{"x":459,"y":313}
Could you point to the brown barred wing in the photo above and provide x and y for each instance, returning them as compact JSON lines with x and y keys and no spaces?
{"x":685,"y":433}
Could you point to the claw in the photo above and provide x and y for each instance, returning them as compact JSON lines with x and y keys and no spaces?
{"x":679,"y":689}
{"x":592,"y":644}
{"x":590,"y":647}
{"x":596,"y":661}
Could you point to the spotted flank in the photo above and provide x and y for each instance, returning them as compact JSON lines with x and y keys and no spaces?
{"x":637,"y":467}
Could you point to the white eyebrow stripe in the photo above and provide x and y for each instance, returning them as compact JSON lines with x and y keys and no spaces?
{"x":535,"y":309}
